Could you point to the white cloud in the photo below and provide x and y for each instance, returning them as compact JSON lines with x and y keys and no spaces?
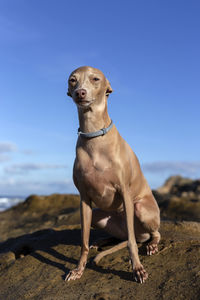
{"x":6,"y":147}
{"x":4,"y":157}
{"x":28,"y":167}
{"x":27,"y":152}
{"x":13,"y":187}
{"x":175,"y":167}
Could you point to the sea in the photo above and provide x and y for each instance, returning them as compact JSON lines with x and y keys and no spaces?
{"x":7,"y":202}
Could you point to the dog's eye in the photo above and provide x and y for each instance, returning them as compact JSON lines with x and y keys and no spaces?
{"x":72,"y":80}
{"x":96,"y":79}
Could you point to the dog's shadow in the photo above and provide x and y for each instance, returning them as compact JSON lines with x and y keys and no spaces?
{"x":44,"y":241}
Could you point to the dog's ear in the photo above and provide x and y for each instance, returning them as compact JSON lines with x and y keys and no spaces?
{"x":108,"y":88}
{"x":68,"y":93}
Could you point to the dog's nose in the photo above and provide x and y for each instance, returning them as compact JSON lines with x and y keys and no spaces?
{"x":81,"y":93}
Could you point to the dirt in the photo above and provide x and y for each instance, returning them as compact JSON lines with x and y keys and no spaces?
{"x":40,"y":243}
{"x":43,"y":258}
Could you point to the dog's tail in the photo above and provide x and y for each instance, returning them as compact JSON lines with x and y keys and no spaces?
{"x":114,"y":249}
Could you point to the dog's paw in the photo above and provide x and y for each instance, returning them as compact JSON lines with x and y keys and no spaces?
{"x":152,"y":249}
{"x":94,"y":246}
{"x":140,"y":274}
{"x":74,"y":274}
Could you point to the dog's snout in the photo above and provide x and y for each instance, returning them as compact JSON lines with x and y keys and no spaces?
{"x":81,"y":93}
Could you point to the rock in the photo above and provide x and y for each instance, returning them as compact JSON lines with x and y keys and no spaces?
{"x":49,"y":254}
{"x":6,"y":259}
{"x":179,"y":199}
{"x":40,"y":243}
{"x":39,"y":212}
{"x":100,"y":296}
{"x":169,"y":183}
{"x":176,"y":182}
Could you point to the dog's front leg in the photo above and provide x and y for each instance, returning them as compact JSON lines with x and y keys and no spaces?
{"x":139,"y":272}
{"x":86,"y":218}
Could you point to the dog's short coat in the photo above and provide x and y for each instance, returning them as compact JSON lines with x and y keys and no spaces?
{"x":107,"y":173}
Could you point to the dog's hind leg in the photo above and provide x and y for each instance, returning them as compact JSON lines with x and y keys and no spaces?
{"x":111,"y":222}
{"x":148,"y":215}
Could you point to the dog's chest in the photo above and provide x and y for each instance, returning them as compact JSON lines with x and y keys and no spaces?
{"x":94,"y":177}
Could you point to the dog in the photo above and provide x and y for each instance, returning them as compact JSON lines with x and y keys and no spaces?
{"x":107,"y":173}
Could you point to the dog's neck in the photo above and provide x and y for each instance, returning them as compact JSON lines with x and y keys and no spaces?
{"x":93,"y":118}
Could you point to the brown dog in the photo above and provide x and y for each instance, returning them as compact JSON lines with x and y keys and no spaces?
{"x":107,"y":173}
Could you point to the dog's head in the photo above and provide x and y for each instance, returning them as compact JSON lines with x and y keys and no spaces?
{"x":87,"y":85}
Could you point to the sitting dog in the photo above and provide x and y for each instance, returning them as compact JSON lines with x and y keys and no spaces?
{"x":107,"y":172}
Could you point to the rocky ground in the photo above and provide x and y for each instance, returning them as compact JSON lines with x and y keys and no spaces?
{"x":40,"y":243}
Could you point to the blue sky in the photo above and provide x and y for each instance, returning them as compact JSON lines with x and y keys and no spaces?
{"x":149,"y":51}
